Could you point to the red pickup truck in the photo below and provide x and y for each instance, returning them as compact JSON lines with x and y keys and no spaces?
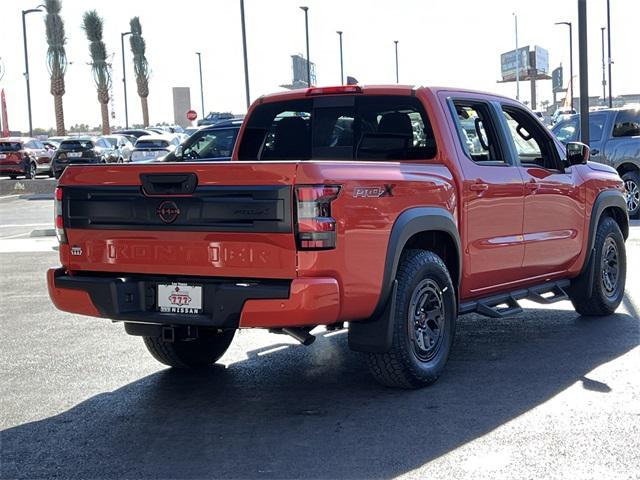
{"x":392,"y":208}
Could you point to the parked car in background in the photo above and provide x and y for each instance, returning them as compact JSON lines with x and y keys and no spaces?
{"x":51,"y":145}
{"x":614,"y":137}
{"x":135,"y":132}
{"x":154,"y":147}
{"x":215,"y":117}
{"x":162,"y":129}
{"x":118,"y":148}
{"x":544,"y":117}
{"x":57,"y":139}
{"x":208,"y":143}
{"x":79,"y":150}
{"x":562,"y":114}
{"x":24,"y":156}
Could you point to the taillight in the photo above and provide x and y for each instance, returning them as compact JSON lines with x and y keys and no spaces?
{"x":316,"y":228}
{"x":62,"y":236}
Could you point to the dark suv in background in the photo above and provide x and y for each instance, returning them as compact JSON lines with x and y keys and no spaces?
{"x":614,"y":137}
{"x":80,"y":150}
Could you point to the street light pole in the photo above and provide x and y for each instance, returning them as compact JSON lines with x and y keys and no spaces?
{"x":584,"y":71}
{"x":570,"y":58}
{"x":306,"y":28}
{"x":609,"y":51}
{"x":604,"y":78}
{"x":397,"y":75}
{"x":515,"y":17}
{"x":201,"y":91}
{"x":26,"y":63}
{"x":244,"y":51}
{"x":124,"y":80}
{"x":341,"y":65}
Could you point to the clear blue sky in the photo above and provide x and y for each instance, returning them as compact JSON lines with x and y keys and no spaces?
{"x":442,"y":42}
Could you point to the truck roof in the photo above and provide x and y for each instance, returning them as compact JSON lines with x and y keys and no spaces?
{"x":393,"y":89}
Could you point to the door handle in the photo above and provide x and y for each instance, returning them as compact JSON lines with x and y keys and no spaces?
{"x":478,"y":187}
{"x":595,"y":151}
{"x":532,"y":185}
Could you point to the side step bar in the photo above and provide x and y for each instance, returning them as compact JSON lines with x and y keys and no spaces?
{"x":506,"y":304}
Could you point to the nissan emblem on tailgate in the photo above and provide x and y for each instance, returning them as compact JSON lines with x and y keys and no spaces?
{"x":168,"y":211}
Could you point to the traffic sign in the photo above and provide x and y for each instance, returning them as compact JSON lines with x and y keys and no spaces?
{"x":192,"y":115}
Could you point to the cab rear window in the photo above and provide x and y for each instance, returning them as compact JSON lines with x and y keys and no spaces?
{"x":10,"y":146}
{"x":152,"y":144}
{"x":341,"y":127}
{"x":76,"y":145}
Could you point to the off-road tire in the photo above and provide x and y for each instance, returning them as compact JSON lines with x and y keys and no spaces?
{"x":632,"y":179}
{"x":201,"y":352}
{"x":601,"y":302}
{"x":401,"y":366}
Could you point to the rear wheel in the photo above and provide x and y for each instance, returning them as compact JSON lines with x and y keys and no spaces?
{"x":13,"y":177}
{"x":632,"y":184}
{"x":201,"y":352}
{"x":609,"y":273}
{"x":423,"y":323}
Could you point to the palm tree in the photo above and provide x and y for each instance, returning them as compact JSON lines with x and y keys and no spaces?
{"x":140,"y":66}
{"x":56,"y":58}
{"x":92,"y":25}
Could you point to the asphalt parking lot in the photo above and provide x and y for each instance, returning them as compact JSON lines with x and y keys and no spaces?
{"x":547,"y":394}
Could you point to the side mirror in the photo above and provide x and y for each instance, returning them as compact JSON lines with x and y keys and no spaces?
{"x":178,"y":151}
{"x":577,"y":153}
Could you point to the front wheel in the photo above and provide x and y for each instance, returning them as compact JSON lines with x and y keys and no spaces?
{"x":632,"y":184}
{"x":609,"y":273}
{"x":423,"y":323}
{"x":200,"y":352}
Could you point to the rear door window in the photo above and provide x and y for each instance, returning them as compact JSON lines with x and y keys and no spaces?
{"x":477,"y":132}
{"x":627,"y":124}
{"x":344,"y":127}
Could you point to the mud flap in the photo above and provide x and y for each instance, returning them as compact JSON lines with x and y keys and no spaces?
{"x":376,"y":334}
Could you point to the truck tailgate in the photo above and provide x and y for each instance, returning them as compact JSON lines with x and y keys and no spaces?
{"x":231,"y":219}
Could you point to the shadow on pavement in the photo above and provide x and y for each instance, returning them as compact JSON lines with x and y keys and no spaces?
{"x":314,"y":412}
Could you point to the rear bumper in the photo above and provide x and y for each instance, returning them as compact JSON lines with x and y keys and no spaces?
{"x":227,"y":303}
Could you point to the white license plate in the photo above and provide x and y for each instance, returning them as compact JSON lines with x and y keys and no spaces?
{"x":179,"y":298}
{"x":2,"y":156}
{"x":75,"y":154}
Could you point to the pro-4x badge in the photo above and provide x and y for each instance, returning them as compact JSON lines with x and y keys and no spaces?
{"x":374,"y":192}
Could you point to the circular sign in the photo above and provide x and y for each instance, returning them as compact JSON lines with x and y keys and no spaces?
{"x":192,"y":115}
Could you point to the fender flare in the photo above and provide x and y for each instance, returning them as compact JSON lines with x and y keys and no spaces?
{"x":606,"y":199}
{"x":375,"y":334}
